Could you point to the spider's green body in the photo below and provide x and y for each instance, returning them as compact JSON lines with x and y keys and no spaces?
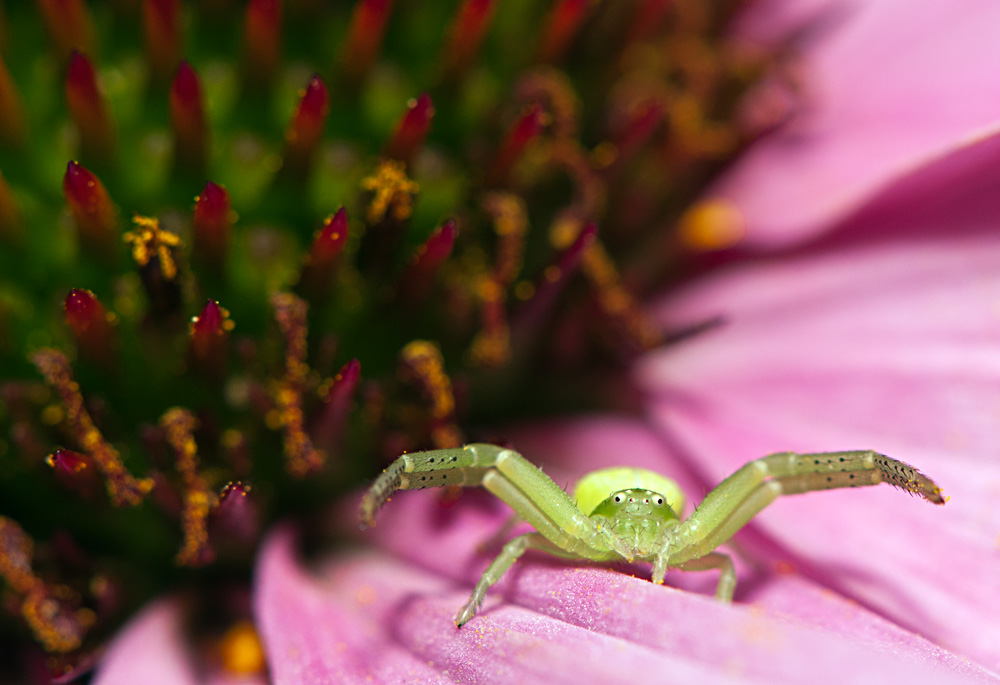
{"x":639,"y":519}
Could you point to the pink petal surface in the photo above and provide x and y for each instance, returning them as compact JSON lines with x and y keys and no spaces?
{"x":386,"y":614}
{"x":155,"y":648}
{"x":888,"y":346}
{"x":150,"y":649}
{"x":890,"y":87}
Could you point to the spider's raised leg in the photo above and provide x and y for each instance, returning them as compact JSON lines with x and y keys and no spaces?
{"x":463,"y":466}
{"x":509,"y":476}
{"x":741,"y":496}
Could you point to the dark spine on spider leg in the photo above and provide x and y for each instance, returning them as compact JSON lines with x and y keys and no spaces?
{"x":381,"y":490}
{"x":823,"y":471}
{"x":908,"y":478}
{"x":416,"y":472}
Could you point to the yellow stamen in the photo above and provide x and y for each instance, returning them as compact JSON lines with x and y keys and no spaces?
{"x":123,"y":488}
{"x":240,"y":650}
{"x":393,"y":190}
{"x":712,"y":225}
{"x":424,"y":360}
{"x":302,"y":457}
{"x":149,"y":241}
{"x":179,"y":424}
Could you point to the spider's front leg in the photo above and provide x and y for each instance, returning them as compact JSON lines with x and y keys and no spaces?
{"x":523,"y":486}
{"x":740,"y":497}
{"x":463,"y":466}
{"x":562,"y":528}
{"x":511,"y":552}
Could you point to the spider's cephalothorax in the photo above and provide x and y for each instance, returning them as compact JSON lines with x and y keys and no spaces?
{"x":639,"y":519}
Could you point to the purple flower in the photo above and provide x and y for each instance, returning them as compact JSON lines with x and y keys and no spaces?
{"x":863,"y":312}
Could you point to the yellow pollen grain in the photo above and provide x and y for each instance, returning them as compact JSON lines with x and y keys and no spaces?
{"x":240,"y":650}
{"x":148,"y":240}
{"x":712,"y":225}
{"x":393,"y":190}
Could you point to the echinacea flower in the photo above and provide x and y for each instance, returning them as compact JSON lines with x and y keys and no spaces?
{"x":181,"y":442}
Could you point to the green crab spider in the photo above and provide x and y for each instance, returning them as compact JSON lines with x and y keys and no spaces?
{"x":638,"y":520}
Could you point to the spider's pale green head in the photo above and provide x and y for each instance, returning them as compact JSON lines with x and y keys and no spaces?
{"x":637,"y":518}
{"x":635,"y":503}
{"x":595,"y":492}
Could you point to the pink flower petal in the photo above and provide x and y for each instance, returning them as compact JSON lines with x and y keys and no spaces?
{"x":890,"y":87}
{"x":369,"y":616}
{"x":151,"y":649}
{"x":889,"y":346}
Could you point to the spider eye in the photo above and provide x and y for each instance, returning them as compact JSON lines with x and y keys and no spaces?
{"x":659,"y":500}
{"x":618,"y":499}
